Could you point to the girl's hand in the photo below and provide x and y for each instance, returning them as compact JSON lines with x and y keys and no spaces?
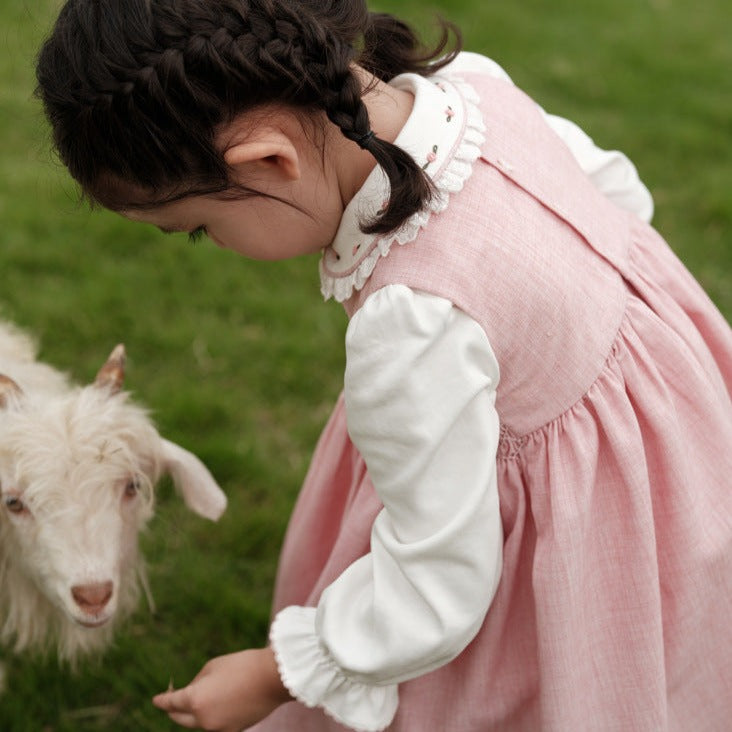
{"x":229,"y":694}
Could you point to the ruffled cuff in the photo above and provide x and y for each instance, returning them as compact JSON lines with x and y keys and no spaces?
{"x":313,"y":678}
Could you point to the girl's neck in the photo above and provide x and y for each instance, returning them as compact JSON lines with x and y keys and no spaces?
{"x":389,"y":109}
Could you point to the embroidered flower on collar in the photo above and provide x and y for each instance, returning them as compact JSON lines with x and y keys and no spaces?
{"x":431,"y":156}
{"x":443,"y":133}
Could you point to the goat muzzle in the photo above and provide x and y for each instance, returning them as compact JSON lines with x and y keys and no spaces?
{"x":92,"y":598}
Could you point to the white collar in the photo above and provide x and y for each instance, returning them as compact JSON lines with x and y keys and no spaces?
{"x":444,"y":135}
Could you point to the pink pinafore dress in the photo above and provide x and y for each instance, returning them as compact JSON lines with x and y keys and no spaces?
{"x":614,"y":465}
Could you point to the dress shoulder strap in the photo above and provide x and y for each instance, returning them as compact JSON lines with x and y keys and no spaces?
{"x":525,"y":149}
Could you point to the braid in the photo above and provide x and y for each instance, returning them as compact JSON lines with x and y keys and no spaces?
{"x":411,"y":189}
{"x":135,"y":90}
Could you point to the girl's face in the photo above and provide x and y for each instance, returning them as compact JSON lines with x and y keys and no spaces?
{"x":257,"y":227}
{"x":305,"y":189}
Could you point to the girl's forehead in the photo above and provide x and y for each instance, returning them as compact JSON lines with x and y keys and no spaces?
{"x":117,"y":194}
{"x":150,"y":214}
{"x":168,"y":217}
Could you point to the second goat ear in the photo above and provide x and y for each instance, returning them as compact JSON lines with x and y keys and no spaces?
{"x":201,"y":493}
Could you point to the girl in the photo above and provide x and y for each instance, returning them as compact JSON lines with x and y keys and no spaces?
{"x":519,"y":515}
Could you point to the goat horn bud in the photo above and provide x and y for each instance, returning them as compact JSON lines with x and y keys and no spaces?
{"x":112,"y":375}
{"x":8,"y":388}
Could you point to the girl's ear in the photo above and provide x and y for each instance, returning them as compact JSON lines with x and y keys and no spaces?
{"x":268,"y":149}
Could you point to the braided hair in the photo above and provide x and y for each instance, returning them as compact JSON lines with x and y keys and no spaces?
{"x":135,"y":90}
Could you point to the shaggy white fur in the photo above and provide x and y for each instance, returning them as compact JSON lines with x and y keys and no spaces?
{"x":78,"y":468}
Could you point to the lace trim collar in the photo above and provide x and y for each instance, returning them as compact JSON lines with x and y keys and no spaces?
{"x":444,"y":134}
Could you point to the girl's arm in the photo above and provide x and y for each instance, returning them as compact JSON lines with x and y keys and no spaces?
{"x":420,"y":392}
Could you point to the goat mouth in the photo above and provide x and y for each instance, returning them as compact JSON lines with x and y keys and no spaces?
{"x":92,"y":622}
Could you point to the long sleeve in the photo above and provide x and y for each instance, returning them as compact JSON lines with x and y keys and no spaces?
{"x":610,"y":170}
{"x":420,"y":393}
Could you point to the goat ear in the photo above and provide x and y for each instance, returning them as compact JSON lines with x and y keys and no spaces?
{"x":112,"y":375}
{"x":201,"y":493}
{"x":8,"y":390}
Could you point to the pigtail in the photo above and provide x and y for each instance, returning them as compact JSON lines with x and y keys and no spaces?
{"x":391,"y":47}
{"x":410,"y":187}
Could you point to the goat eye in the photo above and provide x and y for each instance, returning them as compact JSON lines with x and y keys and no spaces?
{"x":14,"y":504}
{"x":132,"y":487}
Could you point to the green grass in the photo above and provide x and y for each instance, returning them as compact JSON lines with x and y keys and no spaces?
{"x":240,"y":361}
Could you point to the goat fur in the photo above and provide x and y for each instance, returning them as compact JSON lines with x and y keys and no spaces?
{"x":83,"y":463}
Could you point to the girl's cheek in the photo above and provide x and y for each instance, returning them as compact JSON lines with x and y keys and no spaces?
{"x":217,"y":239}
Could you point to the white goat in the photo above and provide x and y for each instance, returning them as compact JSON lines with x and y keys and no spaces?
{"x":77,"y":472}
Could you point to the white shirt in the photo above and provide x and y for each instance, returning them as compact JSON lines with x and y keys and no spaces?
{"x":420,"y":390}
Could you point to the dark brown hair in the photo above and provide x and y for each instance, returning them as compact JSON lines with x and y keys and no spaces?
{"x":136,"y":89}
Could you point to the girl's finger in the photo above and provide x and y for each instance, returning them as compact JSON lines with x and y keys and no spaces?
{"x":173,"y":701}
{"x":184,"y":719}
{"x":161,"y":701}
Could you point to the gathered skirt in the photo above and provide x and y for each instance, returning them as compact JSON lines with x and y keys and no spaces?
{"x":613,"y":609}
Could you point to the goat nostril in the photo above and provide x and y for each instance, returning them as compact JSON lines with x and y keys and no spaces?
{"x":93,"y":597}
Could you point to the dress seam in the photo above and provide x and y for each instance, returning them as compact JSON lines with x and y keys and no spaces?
{"x":511,"y":444}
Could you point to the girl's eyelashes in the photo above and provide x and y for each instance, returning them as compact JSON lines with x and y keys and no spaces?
{"x":196,"y":234}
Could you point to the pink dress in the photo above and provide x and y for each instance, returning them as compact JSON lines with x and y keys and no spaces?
{"x":614,"y":465}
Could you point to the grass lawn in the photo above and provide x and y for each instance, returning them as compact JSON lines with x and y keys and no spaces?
{"x":240,"y":361}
